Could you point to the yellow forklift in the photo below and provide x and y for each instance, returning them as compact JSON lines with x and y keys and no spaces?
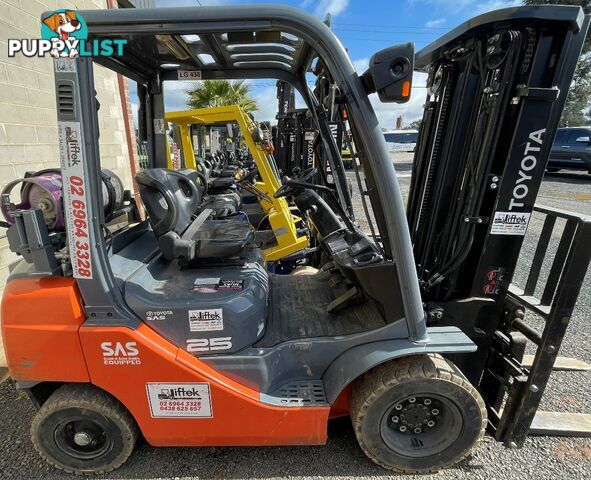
{"x":289,"y":238}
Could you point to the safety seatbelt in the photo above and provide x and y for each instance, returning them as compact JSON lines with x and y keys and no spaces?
{"x":196,"y":224}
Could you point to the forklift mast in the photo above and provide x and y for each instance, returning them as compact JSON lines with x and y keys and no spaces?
{"x":496,"y":90}
{"x":496,"y":93}
{"x":298,"y":142}
{"x":286,"y":102}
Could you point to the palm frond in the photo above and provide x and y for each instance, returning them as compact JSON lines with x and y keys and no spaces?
{"x":217,"y":93}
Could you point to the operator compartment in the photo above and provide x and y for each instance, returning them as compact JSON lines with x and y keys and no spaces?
{"x":365,"y":273}
{"x":199,"y":281}
{"x":210,"y":309}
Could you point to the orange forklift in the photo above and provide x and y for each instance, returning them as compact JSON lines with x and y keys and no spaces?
{"x":173,"y":329}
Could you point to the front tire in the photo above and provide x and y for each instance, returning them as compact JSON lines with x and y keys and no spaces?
{"x":83,"y":430}
{"x":416,"y":414}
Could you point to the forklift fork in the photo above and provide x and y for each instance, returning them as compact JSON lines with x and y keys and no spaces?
{"x":513,"y":387}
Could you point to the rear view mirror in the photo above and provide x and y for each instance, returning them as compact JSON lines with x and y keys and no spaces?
{"x":390,"y":73}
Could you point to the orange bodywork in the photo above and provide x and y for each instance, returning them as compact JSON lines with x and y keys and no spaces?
{"x":340,"y":407}
{"x":40,"y":322}
{"x":238,"y":418}
{"x":46,"y":340}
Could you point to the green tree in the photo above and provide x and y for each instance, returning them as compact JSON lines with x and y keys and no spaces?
{"x":217,"y":93}
{"x":576,"y":111}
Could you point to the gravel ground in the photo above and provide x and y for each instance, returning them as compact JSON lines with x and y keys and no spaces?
{"x":542,"y":457}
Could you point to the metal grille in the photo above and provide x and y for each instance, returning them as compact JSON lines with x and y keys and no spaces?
{"x":65,"y":100}
{"x":302,"y":393}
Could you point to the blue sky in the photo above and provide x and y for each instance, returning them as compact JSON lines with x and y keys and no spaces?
{"x":364,"y":27}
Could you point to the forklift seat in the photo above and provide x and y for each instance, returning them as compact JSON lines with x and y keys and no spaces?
{"x":217,"y":184}
{"x":222,"y":183}
{"x":172,"y":199}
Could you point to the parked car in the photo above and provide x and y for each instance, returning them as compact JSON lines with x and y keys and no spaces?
{"x":401,"y":140}
{"x":571,"y":150}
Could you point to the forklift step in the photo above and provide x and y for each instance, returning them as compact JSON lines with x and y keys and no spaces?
{"x":562,"y":364}
{"x":561,"y":424}
{"x":297,"y":394}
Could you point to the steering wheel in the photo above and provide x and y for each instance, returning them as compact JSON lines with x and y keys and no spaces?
{"x":249,"y":177}
{"x":306,"y":175}
{"x":301,"y":180}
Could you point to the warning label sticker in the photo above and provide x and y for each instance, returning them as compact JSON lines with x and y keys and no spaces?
{"x":179,"y":400}
{"x":212,"y":285}
{"x":510,"y":223}
{"x":209,"y":320}
{"x":64,"y":65}
{"x":159,"y":127}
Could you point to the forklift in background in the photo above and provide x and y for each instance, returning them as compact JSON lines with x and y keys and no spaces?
{"x":285,"y":227}
{"x":296,"y":141}
{"x":172,"y":328}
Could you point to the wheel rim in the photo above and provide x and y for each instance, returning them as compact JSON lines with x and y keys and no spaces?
{"x":82,"y":438}
{"x":421,"y":425}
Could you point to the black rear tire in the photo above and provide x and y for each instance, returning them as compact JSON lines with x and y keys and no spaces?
{"x":416,"y":414}
{"x":83,"y":430}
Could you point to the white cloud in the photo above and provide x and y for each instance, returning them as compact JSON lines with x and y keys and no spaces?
{"x":175,"y":97}
{"x":412,"y":110}
{"x":322,"y":7}
{"x":476,"y":6}
{"x":435,"y":23}
{"x":361,"y":65}
{"x":388,"y":112}
{"x":452,"y":5}
{"x":134,"y":113}
{"x":491,"y":5}
{"x":266,"y":97}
